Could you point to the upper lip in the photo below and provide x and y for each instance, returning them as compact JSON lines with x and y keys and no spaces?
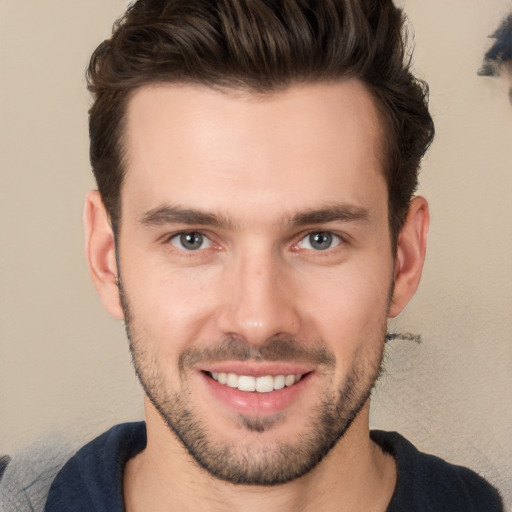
{"x":257,"y":369}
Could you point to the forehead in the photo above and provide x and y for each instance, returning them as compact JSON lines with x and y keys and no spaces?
{"x":193,"y":145}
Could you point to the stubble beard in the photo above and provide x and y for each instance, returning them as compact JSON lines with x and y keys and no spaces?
{"x":256,"y":463}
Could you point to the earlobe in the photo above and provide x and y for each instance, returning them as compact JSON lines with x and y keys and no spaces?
{"x":101,"y":253}
{"x":410,"y":255}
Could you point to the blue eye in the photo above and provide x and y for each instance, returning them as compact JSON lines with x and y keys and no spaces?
{"x":320,"y":241}
{"x":190,"y":241}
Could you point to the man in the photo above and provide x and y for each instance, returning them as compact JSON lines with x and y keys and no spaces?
{"x":255,"y":227}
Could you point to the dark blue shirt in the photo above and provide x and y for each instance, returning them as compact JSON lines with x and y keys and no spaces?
{"x":92,"y":480}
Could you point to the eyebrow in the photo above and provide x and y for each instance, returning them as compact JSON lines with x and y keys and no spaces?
{"x":167,"y":214}
{"x":337,"y":212}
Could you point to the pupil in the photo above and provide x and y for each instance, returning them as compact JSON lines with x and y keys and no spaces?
{"x":320,"y":241}
{"x":191,"y":240}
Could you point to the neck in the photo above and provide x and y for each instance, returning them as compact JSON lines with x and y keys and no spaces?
{"x":355,"y":475}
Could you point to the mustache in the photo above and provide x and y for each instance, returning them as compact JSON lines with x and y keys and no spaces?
{"x":277,"y":348}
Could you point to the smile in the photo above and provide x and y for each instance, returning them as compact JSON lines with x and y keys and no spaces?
{"x":263,"y":384}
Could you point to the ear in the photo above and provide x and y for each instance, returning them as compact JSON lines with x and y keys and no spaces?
{"x":101,"y":253}
{"x":410,"y":255}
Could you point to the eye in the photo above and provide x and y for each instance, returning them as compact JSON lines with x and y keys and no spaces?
{"x":190,"y":241}
{"x":319,"y":241}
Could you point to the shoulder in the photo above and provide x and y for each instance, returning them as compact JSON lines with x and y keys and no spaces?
{"x":91,"y":480}
{"x":426,"y":482}
{"x":51,"y":476}
{"x":27,"y":477}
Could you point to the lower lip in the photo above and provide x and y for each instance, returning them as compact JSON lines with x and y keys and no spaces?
{"x":254,"y":403}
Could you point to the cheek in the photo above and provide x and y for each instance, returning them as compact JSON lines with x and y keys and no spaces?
{"x":174,"y":306}
{"x":349,"y":309}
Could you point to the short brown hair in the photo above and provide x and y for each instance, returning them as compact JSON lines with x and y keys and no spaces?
{"x":261,"y":46}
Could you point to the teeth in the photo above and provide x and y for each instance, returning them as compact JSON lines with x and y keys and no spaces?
{"x":232,"y":381}
{"x":246,"y":383}
{"x":264,"y":384}
{"x":279,"y":382}
{"x":290,"y":379}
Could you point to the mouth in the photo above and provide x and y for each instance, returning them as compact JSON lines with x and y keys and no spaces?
{"x":258,"y":389}
{"x":251,"y":384}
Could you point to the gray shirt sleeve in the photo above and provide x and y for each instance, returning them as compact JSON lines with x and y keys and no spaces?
{"x":26,"y":478}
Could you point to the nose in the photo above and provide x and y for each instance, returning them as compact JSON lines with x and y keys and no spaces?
{"x":260,"y":299}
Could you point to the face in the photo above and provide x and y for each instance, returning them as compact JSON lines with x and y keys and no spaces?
{"x":256,"y":269}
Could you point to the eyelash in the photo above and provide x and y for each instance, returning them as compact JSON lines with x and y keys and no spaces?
{"x":179,"y":235}
{"x":335,"y":238}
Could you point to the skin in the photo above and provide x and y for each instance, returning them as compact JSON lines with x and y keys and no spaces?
{"x":259,"y":165}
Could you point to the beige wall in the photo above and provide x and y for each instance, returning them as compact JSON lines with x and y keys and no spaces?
{"x":64,"y":365}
